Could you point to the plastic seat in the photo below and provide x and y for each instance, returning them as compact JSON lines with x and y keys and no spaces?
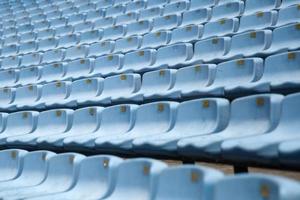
{"x":286,"y":3}
{"x":104,"y":3}
{"x":113,"y":33}
{"x":90,"y":37}
{"x":220,"y":28}
{"x":83,"y":26}
{"x":256,"y":186}
{"x":255,"y":6}
{"x":108,"y":65}
{"x":227,"y":10}
{"x":11,"y":163}
{"x":104,"y":23}
{"x":187,"y":34}
{"x":67,"y":41}
{"x":27,"y":37}
{"x":43,"y":25}
{"x":30,"y":59}
{"x":280,"y":41}
{"x":8,"y":78}
{"x":10,"y":50}
{"x":139,"y":61}
{"x":27,"y":47}
{"x":11,"y":40}
{"x":70,"y":11}
{"x":128,"y":44}
{"x":136,"y":5}
{"x":93,"y":172}
{"x":76,"y":52}
{"x":260,"y":111}
{"x":256,"y":21}
{"x":60,"y":122}
{"x":86,"y":7}
{"x":52,"y":72}
{"x":193,"y":118}
{"x":195,"y":4}
{"x":176,"y":7}
{"x":25,"y":28}
{"x":151,"y":119}
{"x":126,"y":18}
{"x":241,"y":76}
{"x":166,"y":22}
{"x":288,"y":15}
{"x":19,"y":123}
{"x":139,"y":28}
{"x":78,"y":68}
{"x":114,"y":11}
{"x":102,"y":48}
{"x":10,"y":62}
{"x":189,"y":182}
{"x":47,"y":44}
{"x":76,"y":19}
{"x":156,"y":39}
{"x":60,"y":177}
{"x":9,"y":31}
{"x":51,"y":56}
{"x":45,"y":34}
{"x":58,"y":22}
{"x":64,"y":30}
{"x":123,"y":115}
{"x":38,"y":17}
{"x":210,"y":50}
{"x":29,"y":75}
{"x":94,"y":15}
{"x":150,"y":13}
{"x":117,"y":2}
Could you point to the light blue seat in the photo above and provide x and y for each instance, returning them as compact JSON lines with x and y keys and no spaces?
{"x":156,"y":3}
{"x":25,"y":28}
{"x":103,"y":3}
{"x":85,"y":121}
{"x":186,"y":34}
{"x":193,"y":118}
{"x":53,"y":14}
{"x":7,"y":95}
{"x":176,"y":7}
{"x":211,"y":50}
{"x":60,"y":177}
{"x":266,"y":150}
{"x":150,"y":13}
{"x":10,"y":62}
{"x":158,"y":84}
{"x":256,"y":186}
{"x":220,"y":28}
{"x":43,"y":25}
{"x":108,"y":65}
{"x":25,"y":96}
{"x":53,"y":94}
{"x":114,"y":32}
{"x":96,"y":179}
{"x":250,"y":43}
{"x":280,"y":41}
{"x":89,"y":37}
{"x":256,"y":6}
{"x":139,"y":61}
{"x":60,"y":122}
{"x":19,"y":123}
{"x":27,"y":37}
{"x":101,"y":48}
{"x":51,"y":56}
{"x":11,"y":164}
{"x":75,"y":52}
{"x":47,"y":44}
{"x":86,"y":7}
{"x":9,"y":31}
{"x":55,"y":23}
{"x":76,"y":19}
{"x":286,"y":3}
{"x":10,"y":50}
{"x":139,"y":28}
{"x":32,"y":170}
{"x":8,"y":78}
{"x":136,"y":5}
{"x":241,"y":76}
{"x":67,"y":12}
{"x":143,"y":186}
{"x":14,"y":39}
{"x":114,"y":10}
{"x":127,"y":18}
{"x":52,"y":72}
{"x":289,"y":152}
{"x":104,"y":23}
{"x":31,"y":59}
{"x":156,"y":39}
{"x":288,"y":15}
{"x":83,"y":26}
{"x":227,"y":10}
{"x":67,"y":41}
{"x":118,"y":2}
{"x":27,"y":47}
{"x":195,"y":4}
{"x":281,"y":70}
{"x":189,"y":182}
{"x":124,"y":119}
{"x":78,"y":68}
{"x":45,"y":34}
{"x":128,"y":44}
{"x":259,"y":111}
{"x":64,"y":30}
{"x":151,"y":119}
{"x":256,"y":21}
{"x":166,"y":22}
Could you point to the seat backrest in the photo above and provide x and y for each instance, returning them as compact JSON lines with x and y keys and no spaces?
{"x":55,"y":91}
{"x":227,"y":10}
{"x":29,"y":75}
{"x":52,"y":72}
{"x":86,"y":88}
{"x":51,"y":56}
{"x":8,"y":77}
{"x":7,"y":95}
{"x":27,"y":94}
{"x":78,"y":68}
{"x":253,"y":6}
{"x":109,"y":64}
{"x":10,"y":62}
{"x":30,"y":59}
{"x":139,"y":60}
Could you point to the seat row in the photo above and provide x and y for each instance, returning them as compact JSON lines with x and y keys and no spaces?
{"x":231,"y":78}
{"x":45,"y":175}
{"x":209,"y":128}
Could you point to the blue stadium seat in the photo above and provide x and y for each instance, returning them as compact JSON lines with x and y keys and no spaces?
{"x":45,"y":34}
{"x":57,"y":22}
{"x":104,"y":22}
{"x":114,"y":32}
{"x":43,"y":25}
{"x":256,"y":186}
{"x":64,"y":30}
{"x":29,"y":75}
{"x":126,"y":18}
{"x":104,"y":3}
{"x":253,"y":6}
{"x":166,"y":22}
{"x":136,"y":5}
{"x":124,"y":119}
{"x":94,"y":15}
{"x":7,"y":96}
{"x":25,"y":95}
{"x":139,"y":28}
{"x":128,"y":44}
{"x":108,"y":65}
{"x":266,"y":150}
{"x":155,"y":3}
{"x":25,"y":28}
{"x":220,"y":28}
{"x":14,"y":39}
{"x":10,"y":50}
{"x":47,"y":44}
{"x":150,"y":13}
{"x":288,"y":15}
{"x":156,"y":39}
{"x":52,"y":72}
{"x":78,"y":69}
{"x":176,"y":7}
{"x":83,"y":26}
{"x":114,"y":11}
{"x":99,"y":49}
{"x":8,"y":77}
{"x":30,"y":59}
{"x":189,"y":182}
{"x":26,"y":37}
{"x":10,"y":62}
{"x":76,"y":19}
{"x":186,"y":34}
{"x":286,"y":3}
{"x":76,"y":52}
{"x":195,"y":117}
{"x":52,"y":56}
{"x":151,"y":119}
{"x":89,"y":37}
{"x":195,"y":4}
{"x":67,"y":41}
{"x":261,"y":111}
{"x":227,"y":10}
{"x":139,"y":61}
